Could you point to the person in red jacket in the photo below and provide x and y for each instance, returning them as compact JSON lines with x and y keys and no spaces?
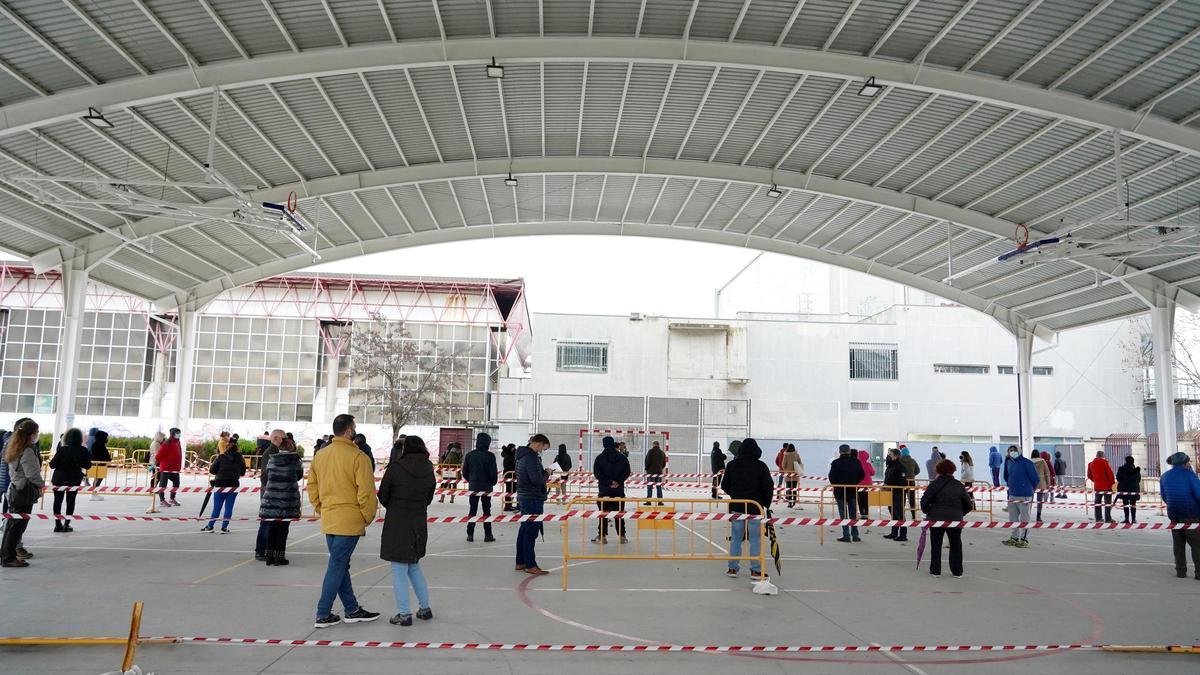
{"x":169,"y":460}
{"x":1101,"y":474}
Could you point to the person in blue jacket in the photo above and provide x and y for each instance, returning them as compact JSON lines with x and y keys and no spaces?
{"x":1180,"y":488}
{"x":995,"y":461}
{"x":1022,"y":482}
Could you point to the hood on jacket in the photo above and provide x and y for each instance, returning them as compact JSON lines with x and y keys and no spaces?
{"x":749,"y":449}
{"x":483,"y":442}
{"x":101,"y":437}
{"x":609,"y":443}
{"x":864,"y":456}
{"x":416,"y":464}
{"x":716,"y":446}
{"x":734,"y":448}
{"x":993,"y":449}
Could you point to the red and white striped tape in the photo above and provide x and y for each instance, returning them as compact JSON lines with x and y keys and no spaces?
{"x":666,"y":515}
{"x":499,"y":646}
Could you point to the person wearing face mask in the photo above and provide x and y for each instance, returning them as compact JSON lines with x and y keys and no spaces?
{"x":1022,"y":481}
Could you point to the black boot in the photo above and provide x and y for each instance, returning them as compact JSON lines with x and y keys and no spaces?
{"x":58,"y":526}
{"x":270,"y":558}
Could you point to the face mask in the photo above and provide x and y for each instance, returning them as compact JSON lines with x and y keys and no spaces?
{"x":1014,"y":454}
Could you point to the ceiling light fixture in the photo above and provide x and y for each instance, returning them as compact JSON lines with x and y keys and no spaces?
{"x":494,"y":71}
{"x":510,"y":181}
{"x":774,"y":192}
{"x":96,"y":118}
{"x":869,"y":88}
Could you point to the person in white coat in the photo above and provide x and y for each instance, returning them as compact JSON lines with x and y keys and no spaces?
{"x":966,"y":470}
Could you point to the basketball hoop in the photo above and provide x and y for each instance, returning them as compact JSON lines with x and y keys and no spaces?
{"x":1021,"y":235}
{"x":291,"y":206}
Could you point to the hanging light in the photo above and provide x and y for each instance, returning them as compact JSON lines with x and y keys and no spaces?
{"x":96,"y":118}
{"x":510,"y":181}
{"x":774,"y":192}
{"x":494,"y":71}
{"x":869,"y":88}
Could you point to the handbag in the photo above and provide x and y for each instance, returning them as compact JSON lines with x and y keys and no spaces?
{"x":24,"y":497}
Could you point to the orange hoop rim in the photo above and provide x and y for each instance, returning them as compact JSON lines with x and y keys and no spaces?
{"x":1021,"y":235}
{"x":291,"y":202}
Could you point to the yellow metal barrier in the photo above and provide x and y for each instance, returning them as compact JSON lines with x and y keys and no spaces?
{"x":654,"y":539}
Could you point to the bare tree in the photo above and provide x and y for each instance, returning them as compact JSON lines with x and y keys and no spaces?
{"x":410,"y":380}
{"x":1138,"y":356}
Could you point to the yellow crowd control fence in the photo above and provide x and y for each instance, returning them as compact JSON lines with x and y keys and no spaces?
{"x":650,"y":539}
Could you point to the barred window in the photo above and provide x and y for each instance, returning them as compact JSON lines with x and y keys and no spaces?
{"x":874,"y":362}
{"x":875,"y":406}
{"x":961,"y":369}
{"x":582,"y":357}
{"x":1037,"y":370}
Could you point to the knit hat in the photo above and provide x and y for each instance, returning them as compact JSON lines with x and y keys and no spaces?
{"x":843,"y":449}
{"x":904,"y":451}
{"x":609,"y":443}
{"x":1178,"y":459}
{"x":483,"y":442}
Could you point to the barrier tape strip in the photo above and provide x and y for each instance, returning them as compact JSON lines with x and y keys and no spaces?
{"x":665,"y":515}
{"x":499,"y":646}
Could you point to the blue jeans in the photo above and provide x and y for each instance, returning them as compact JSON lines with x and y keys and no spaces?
{"x":337,"y":575}
{"x":260,"y":542}
{"x":847,"y":508}
{"x":222,"y":500}
{"x":528,"y":533}
{"x":735,"y":543}
{"x":402,"y":575}
{"x":651,"y":481}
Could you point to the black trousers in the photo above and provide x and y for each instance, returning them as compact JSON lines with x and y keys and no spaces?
{"x":791,"y":491}
{"x":1106,"y":498}
{"x":260,"y":541}
{"x":69,"y":498}
{"x":611,"y":505}
{"x":13,"y":530}
{"x":1180,"y":539}
{"x":510,"y":495}
{"x":898,"y":513}
{"x":474,"y":501}
{"x":954,"y":534}
{"x":165,"y":477}
{"x":862,"y":503}
{"x":1129,"y":506}
{"x":277,"y":535}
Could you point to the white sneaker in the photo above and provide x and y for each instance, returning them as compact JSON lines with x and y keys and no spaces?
{"x":96,"y":498}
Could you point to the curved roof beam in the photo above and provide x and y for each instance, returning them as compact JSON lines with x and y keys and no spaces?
{"x":922,"y":77}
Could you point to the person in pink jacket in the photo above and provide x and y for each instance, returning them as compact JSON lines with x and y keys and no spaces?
{"x":864,"y":458}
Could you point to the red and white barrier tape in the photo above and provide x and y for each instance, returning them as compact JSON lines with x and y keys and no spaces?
{"x":666,"y":515}
{"x":499,"y":646}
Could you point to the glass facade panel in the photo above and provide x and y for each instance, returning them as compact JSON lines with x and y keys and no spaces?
{"x":30,"y":354}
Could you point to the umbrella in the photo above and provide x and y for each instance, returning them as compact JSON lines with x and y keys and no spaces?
{"x":921,"y":545}
{"x":775,"y":553}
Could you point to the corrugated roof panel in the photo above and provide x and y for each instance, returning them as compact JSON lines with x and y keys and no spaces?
{"x":461,"y":18}
{"x":976,"y":28}
{"x":1178,"y":273}
{"x":266,"y":113}
{"x":470,"y":196}
{"x":501,"y":199}
{"x":442,"y":203}
{"x":647,"y":85}
{"x":855,"y":234}
{"x":714,"y":20}
{"x":380,"y":206}
{"x":683,"y":100}
{"x":232,"y":129}
{"x":20,"y":242}
{"x":412,"y":208}
{"x":154,"y":267}
{"x":13,"y":90}
{"x":481,"y":101}
{"x":251,"y":26}
{"x":306,"y":103}
{"x":173,"y":124}
{"x":436,"y":94}
{"x":346,"y":209}
{"x":308,"y":23}
{"x":564,"y":84}
{"x":1013,"y":284}
{"x":1048,"y":145}
{"x":559,"y":192}
{"x":195,"y":29}
{"x":813,"y":95}
{"x":645,"y":191}
{"x":816,"y":22}
{"x":984,"y":148}
{"x":616,"y":194}
{"x":392,"y":91}
{"x":126,"y":23}
{"x":585,"y":198}
{"x":361,"y":21}
{"x":121,"y":280}
{"x":665,"y":18}
{"x":418,"y":21}
{"x":522,"y":91}
{"x":848,"y":108}
{"x":793,"y":202}
{"x":605,"y":82}
{"x":759,"y":205}
{"x":75,"y":38}
{"x":1116,"y":309}
{"x":353,"y":103}
{"x":735,"y":197}
{"x":921,"y":25}
{"x":765,"y":20}
{"x":671,"y":199}
{"x":772,"y":91}
{"x":833,"y":229}
{"x":615,"y":17}
{"x":514,"y":18}
{"x":816,"y":214}
{"x":1092,"y":36}
{"x":29,"y":58}
{"x":565,"y":17}
{"x":1030,"y":36}
{"x":869,"y":130}
{"x":916,"y":167}
{"x":1095,"y":294}
{"x":1060,"y":168}
{"x":867,"y":26}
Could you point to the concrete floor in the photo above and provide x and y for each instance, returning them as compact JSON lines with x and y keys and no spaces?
{"x":1069,"y":587}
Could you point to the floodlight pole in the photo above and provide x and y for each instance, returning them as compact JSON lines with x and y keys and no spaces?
{"x":74,"y":290}
{"x":1162,"y":324}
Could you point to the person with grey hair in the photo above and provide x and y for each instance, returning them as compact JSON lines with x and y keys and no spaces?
{"x":1180,"y":488}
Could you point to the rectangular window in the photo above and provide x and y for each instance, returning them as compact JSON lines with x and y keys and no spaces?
{"x":874,"y":362}
{"x":1037,"y":370}
{"x":582,"y":357}
{"x":874,"y":406}
{"x":1005,"y":370}
{"x":961,"y":369}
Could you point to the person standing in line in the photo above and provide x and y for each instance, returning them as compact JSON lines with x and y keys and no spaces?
{"x":508,"y":457}
{"x":968,"y":469}
{"x":932,"y":462}
{"x":1100,"y":472}
{"x":995,"y":461}
{"x":747,"y":478}
{"x":894,"y":476}
{"x":1129,"y":488}
{"x":101,"y":458}
{"x":1060,"y":473}
{"x":843,"y":471}
{"x":1180,"y":489}
{"x":70,"y":462}
{"x":864,"y":460}
{"x":790,"y":466}
{"x":280,"y":499}
{"x":451,"y":465}
{"x":406,"y":493}
{"x":169,"y":459}
{"x":622,"y":448}
{"x":479,"y":470}
{"x":911,"y":471}
{"x":779,"y":465}
{"x":361,"y":441}
{"x":1050,"y":470}
{"x":531,"y":498}
{"x":274,"y":446}
{"x":656,"y":464}
{"x":563,"y":461}
{"x":946,"y":499}
{"x":227,"y":470}
{"x":716,"y":460}
{"x":24,"y":461}
{"x":4,"y":434}
{"x":611,"y":470}
{"x":1022,"y":482}
{"x":341,"y":488}
{"x":1043,"y":485}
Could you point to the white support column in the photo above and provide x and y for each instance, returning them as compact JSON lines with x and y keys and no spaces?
{"x":184,"y":360}
{"x":1024,"y":380}
{"x":331,"y":385}
{"x":74,"y":284}
{"x":1162,"y":323}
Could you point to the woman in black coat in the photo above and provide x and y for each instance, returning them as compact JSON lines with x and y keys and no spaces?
{"x":280,"y":499}
{"x":406,"y":492}
{"x":946,"y":499}
{"x":508,"y":459}
{"x":100,"y":458}
{"x":70,"y":462}
{"x":1129,"y":487}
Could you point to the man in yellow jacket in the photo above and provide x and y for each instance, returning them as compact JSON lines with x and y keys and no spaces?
{"x":341,"y":487}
